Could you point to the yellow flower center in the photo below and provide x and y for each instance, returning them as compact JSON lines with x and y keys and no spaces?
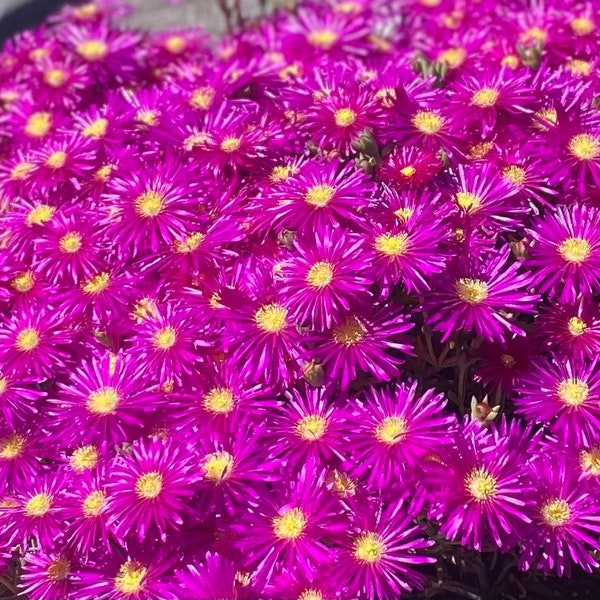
{"x":485,"y":97}
{"x":92,"y":50}
{"x":94,"y":504}
{"x":472,"y":291}
{"x":479,"y":151}
{"x":534,"y":34}
{"x":391,"y":430}
{"x":149,"y":204}
{"x":38,"y":124}
{"x":11,"y":446}
{"x":481,"y":485}
{"x":582,"y":26}
{"x":58,"y":569}
{"x":86,"y":12}
{"x":408,"y":171}
{"x":289,"y":525}
{"x":55,"y":77}
{"x":341,"y":484}
{"x":23,"y":282}
{"x":576,"y":326}
{"x":21,"y":171}
{"x":369,"y":548}
{"x":319,"y":195}
{"x":428,"y":122}
{"x":573,"y":392}
{"x":575,"y":250}
{"x":404,"y":213}
{"x":346,"y":8}
{"x":350,"y":332}
{"x":589,"y":461}
{"x":165,"y":338}
{"x":103,"y":173}
{"x":219,"y":400}
{"x":579,"y":68}
{"x":203,"y":97}
{"x":508,"y":361}
{"x":231,"y":144}
{"x":84,"y":459}
{"x":217,"y":466}
{"x":27,"y":340}
{"x":549,"y":116}
{"x":149,"y":485}
{"x":584,"y":146}
{"x":103,"y":401}
{"x":516,"y":175}
{"x":344,"y":117}
{"x":39,"y":505}
{"x":148,"y":117}
{"x":323,"y":39}
{"x":468,"y":201}
{"x":3,"y":384}
{"x":453,"y":57}
{"x":511,"y":61}
{"x":282,"y":172}
{"x":70,"y":243}
{"x":392,"y":245}
{"x":40,"y":214}
{"x":96,"y":130}
{"x":556,"y":512}
{"x":320,"y":274}
{"x":271,"y":318}
{"x":311,"y":427}
{"x":98,"y":284}
{"x":192,"y":242}
{"x":311,"y":594}
{"x":175,"y":44}
{"x":131,"y":578}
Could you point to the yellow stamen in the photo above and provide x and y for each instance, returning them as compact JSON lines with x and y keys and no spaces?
{"x":582,"y":26}
{"x":92,"y":50}
{"x":96,"y":130}
{"x":165,"y":338}
{"x":319,"y":195}
{"x":404,"y":213}
{"x":311,"y":594}
{"x":344,"y":117}
{"x":203,"y":97}
{"x":392,"y":245}
{"x":148,"y":117}
{"x":311,"y":427}
{"x":468,"y":201}
{"x":57,"y":160}
{"x":70,"y":243}
{"x":516,"y":175}
{"x":271,"y":318}
{"x":350,"y":332}
{"x":84,"y":458}
{"x":575,"y":250}
{"x":573,"y":392}
{"x":485,"y":97}
{"x":589,"y":461}
{"x":23,"y":282}
{"x":576,"y":326}
{"x":217,"y":466}
{"x":97,"y":284}
{"x":190,"y":243}
{"x":27,"y":340}
{"x":428,"y":122}
{"x":408,"y":171}
{"x":93,"y":504}
{"x":479,"y":151}
{"x":584,"y":146}
{"x":231,"y":144}
{"x":55,"y":77}
{"x":472,"y":291}
{"x":289,"y":525}
{"x":38,"y":124}
{"x":548,"y":116}
{"x":219,"y":400}
{"x":391,"y":430}
{"x":131,"y":578}
{"x":579,"y":68}
{"x":481,"y":485}
{"x":534,"y":34}
{"x":149,"y":485}
{"x":323,"y":39}
{"x":556,"y":512}
{"x":175,"y":44}
{"x":511,"y":61}
{"x":38,"y":505}
{"x":453,"y":57}
{"x":104,"y":401}
{"x":103,"y":173}
{"x":341,"y":484}
{"x":369,"y":548}
{"x":11,"y":446}
{"x":320,"y":274}
{"x":86,"y":12}
{"x":149,"y":204}
{"x":21,"y":171}
{"x":58,"y":569}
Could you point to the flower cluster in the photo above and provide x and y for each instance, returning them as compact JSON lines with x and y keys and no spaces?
{"x":299,"y":312}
